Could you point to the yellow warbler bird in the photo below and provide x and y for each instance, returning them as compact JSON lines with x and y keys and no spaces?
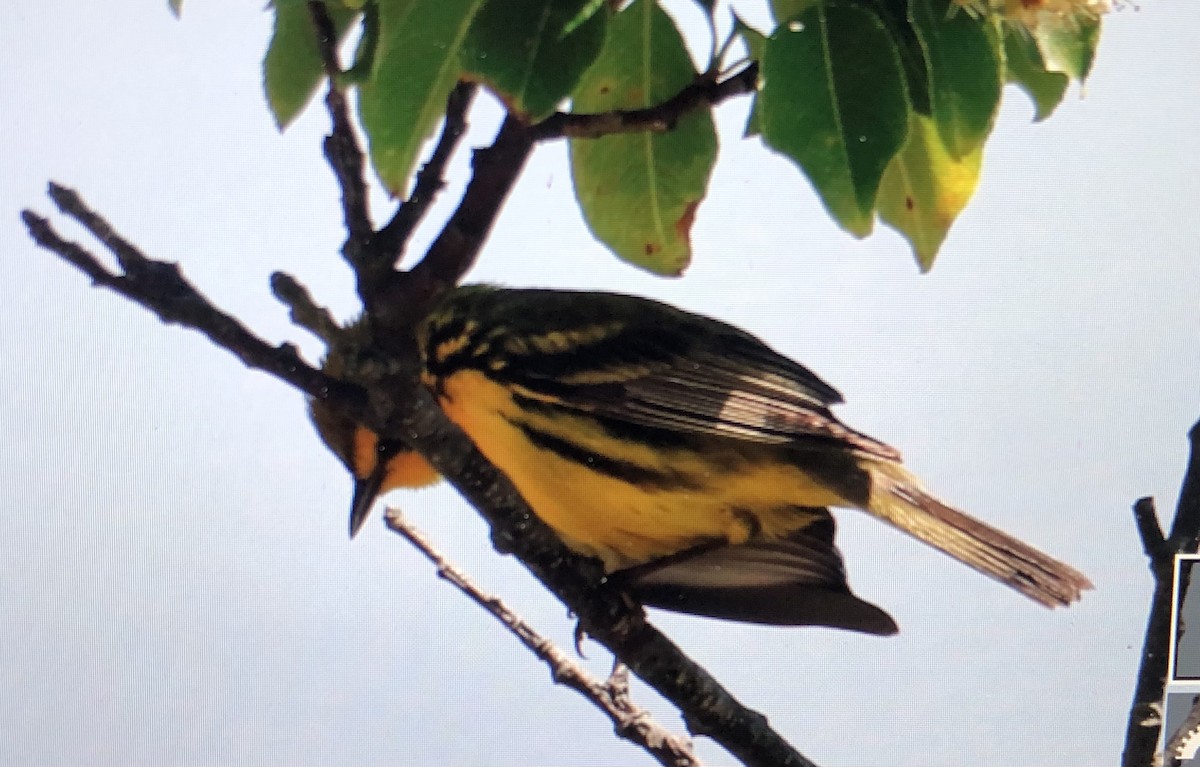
{"x":695,"y":462}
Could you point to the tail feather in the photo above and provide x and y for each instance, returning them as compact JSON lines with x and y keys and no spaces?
{"x":898,"y":498}
{"x":798,"y":581}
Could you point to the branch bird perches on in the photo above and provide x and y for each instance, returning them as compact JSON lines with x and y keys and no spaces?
{"x":398,"y":407}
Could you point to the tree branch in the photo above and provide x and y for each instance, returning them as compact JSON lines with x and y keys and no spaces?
{"x":1145,"y":713}
{"x":629,"y":721}
{"x":1185,"y":530}
{"x":659,"y":118}
{"x":399,"y":408}
{"x":162,"y":288}
{"x":405,"y":300}
{"x":608,"y":615}
{"x":395,"y":301}
{"x":1153,"y":543}
{"x":341,"y":146}
{"x":303,"y":311}
{"x":390,"y":241}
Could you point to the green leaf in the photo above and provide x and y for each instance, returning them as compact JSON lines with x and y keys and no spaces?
{"x":1068,"y":44}
{"x":1027,"y":70}
{"x":639,"y":191}
{"x":416,"y":65}
{"x":786,"y":10}
{"x":895,"y":17}
{"x":520,"y":50}
{"x":833,"y":99}
{"x":756,"y":43}
{"x":292,"y":68}
{"x":926,"y":187}
{"x":965,"y":72}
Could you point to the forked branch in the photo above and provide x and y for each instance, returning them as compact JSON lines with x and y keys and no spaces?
{"x":161,"y":287}
{"x":612,"y":696}
{"x":407,"y":409}
{"x":705,"y":91}
{"x":399,"y":409}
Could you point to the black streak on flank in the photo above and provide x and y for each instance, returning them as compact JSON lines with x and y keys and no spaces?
{"x":625,"y":471}
{"x":623,"y":430}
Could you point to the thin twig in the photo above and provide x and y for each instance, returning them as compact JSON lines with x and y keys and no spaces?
{"x":1145,"y":713}
{"x":1149,"y":530}
{"x":394,"y":306}
{"x":605,"y":614}
{"x":629,"y":721}
{"x":659,"y":118}
{"x":407,"y":410}
{"x":303,"y":310}
{"x":341,"y":146}
{"x":162,"y":288}
{"x":406,"y":299}
{"x":389,"y":243}
{"x":1185,"y":530}
{"x":400,"y":409}
{"x":497,"y":168}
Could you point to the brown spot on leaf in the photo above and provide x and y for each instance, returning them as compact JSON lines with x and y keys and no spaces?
{"x":652,"y":248}
{"x":909,"y":204}
{"x":683,"y":226}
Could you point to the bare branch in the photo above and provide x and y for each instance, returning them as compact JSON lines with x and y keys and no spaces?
{"x":401,"y":302}
{"x":396,"y":301}
{"x":398,"y":408}
{"x":341,"y":146}
{"x":1185,"y":530}
{"x":629,"y":721}
{"x":390,"y":241}
{"x":496,"y":169}
{"x":161,"y":287}
{"x":1145,"y":713}
{"x":605,"y":613}
{"x":303,"y":310}
{"x":1153,"y":543}
{"x":659,"y":118}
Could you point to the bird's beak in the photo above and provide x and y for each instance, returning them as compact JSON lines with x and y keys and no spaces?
{"x":365,"y":492}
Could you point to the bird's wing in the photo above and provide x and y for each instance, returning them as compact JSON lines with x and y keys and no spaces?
{"x":798,"y":581}
{"x":648,"y":364}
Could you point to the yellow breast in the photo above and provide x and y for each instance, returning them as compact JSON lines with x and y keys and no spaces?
{"x":622,"y":501}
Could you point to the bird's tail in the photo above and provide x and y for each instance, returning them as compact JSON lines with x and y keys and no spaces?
{"x":898,"y":498}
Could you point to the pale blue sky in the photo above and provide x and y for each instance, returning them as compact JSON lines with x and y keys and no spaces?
{"x":175,"y":581}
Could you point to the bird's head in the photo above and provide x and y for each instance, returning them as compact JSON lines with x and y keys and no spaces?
{"x":377,"y":465}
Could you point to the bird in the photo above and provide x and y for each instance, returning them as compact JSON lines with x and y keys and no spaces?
{"x":695,"y":462}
